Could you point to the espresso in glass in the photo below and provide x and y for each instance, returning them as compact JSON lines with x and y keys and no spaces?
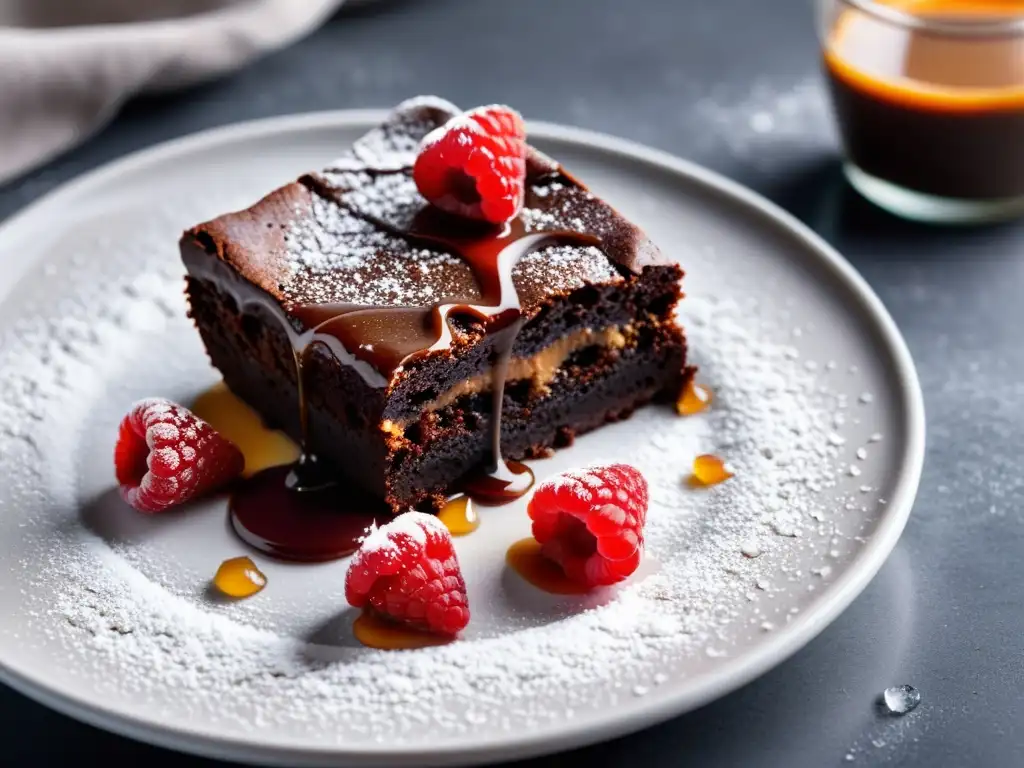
{"x":929,"y":97}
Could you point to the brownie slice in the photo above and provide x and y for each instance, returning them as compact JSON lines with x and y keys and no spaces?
{"x":598,"y":339}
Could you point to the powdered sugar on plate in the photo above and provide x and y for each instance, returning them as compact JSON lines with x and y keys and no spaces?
{"x":113,"y":607}
{"x":131,"y":614}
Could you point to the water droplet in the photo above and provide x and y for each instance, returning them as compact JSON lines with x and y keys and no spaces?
{"x":901,"y":699}
{"x":640,"y":690}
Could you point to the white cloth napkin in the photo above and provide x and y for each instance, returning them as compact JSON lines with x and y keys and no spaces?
{"x":67,"y":65}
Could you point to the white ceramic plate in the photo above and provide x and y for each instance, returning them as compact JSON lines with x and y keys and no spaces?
{"x":107,"y":614}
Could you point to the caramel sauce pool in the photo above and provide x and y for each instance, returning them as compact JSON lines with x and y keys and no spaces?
{"x":525,"y":558}
{"x":694,"y":399}
{"x":374,"y":631}
{"x":327,"y":522}
{"x":459,"y":516}
{"x":239,"y":577}
{"x":709,"y":469}
{"x":240,"y":424}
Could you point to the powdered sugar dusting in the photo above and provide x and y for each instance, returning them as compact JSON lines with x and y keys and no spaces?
{"x":395,"y":144}
{"x":339,"y":254}
{"x":561,"y":268}
{"x":118,"y":601}
{"x":464,"y":124}
{"x":383,"y":270}
{"x":380,"y":269}
{"x":413,"y":525}
{"x":392,"y":198}
{"x":115,"y":611}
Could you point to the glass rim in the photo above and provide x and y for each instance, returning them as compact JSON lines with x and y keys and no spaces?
{"x":1012,"y":25}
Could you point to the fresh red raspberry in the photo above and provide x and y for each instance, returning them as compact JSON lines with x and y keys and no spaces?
{"x":475,"y":164}
{"x":166,"y":455}
{"x":591,"y":522}
{"x":407,"y":570}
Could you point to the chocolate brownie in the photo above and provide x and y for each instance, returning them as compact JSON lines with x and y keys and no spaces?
{"x":367,"y":325}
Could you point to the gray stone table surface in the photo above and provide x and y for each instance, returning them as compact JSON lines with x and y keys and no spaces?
{"x":735,"y":85}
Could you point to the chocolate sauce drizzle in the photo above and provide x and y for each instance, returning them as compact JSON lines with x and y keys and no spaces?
{"x":312,"y":525}
{"x":386,"y":338}
{"x":376,"y":341}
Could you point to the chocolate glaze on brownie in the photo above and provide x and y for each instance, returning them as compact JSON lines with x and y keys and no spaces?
{"x":320,"y":241}
{"x":413,"y":301}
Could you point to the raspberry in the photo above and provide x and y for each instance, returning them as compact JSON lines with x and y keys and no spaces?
{"x":166,"y":455}
{"x":475,"y":165}
{"x":591,"y":522}
{"x":407,"y":570}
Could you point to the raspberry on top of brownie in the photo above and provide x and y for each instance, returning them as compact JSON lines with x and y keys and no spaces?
{"x":348,"y":268}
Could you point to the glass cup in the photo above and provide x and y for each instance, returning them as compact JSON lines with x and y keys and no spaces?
{"x":929,"y":98}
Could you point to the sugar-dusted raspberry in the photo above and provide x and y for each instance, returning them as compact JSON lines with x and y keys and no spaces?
{"x":407,"y":570}
{"x":591,"y":522}
{"x":166,"y":455}
{"x":475,"y":164}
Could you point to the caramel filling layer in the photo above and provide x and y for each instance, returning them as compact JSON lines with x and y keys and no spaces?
{"x":539,"y":369}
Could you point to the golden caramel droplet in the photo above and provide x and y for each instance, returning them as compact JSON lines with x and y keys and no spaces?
{"x":693,"y":399}
{"x":459,"y":516}
{"x":710,"y":470}
{"x":381,"y":633}
{"x":525,"y":558}
{"x":240,"y":424}
{"x":239,"y":577}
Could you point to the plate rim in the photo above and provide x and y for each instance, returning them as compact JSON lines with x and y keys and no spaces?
{"x":598,"y":727}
